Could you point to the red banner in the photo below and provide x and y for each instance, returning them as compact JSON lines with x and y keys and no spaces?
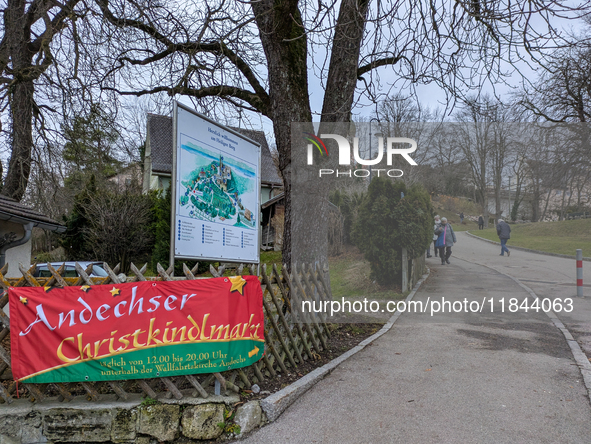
{"x":135,"y":330}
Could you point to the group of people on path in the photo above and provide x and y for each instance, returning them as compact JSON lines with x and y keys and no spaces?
{"x":444,"y":237}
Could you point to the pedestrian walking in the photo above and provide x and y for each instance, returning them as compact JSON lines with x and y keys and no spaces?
{"x":462,"y":217}
{"x":504,"y":233}
{"x":445,"y":240}
{"x":480,"y":222}
{"x":437,"y":224}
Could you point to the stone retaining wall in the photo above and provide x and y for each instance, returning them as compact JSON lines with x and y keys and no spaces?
{"x":136,"y":421}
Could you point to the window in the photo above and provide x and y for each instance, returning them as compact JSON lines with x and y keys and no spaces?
{"x":98,"y":271}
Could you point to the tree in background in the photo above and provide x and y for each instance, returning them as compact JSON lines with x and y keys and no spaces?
{"x":349,"y":204}
{"x":389,"y":222}
{"x":562,"y":95}
{"x":74,"y":239}
{"x":108,"y":225}
{"x":117,"y":229}
{"x":90,"y":146}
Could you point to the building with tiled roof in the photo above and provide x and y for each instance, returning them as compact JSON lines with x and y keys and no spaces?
{"x":158,"y":157}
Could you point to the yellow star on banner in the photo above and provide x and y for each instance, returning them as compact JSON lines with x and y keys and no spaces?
{"x":85,"y":288}
{"x":23,"y":300}
{"x":237,"y":283}
{"x":115,"y":292}
{"x":47,"y":289}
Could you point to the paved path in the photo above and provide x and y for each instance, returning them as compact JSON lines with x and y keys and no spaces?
{"x":456,"y":378}
{"x":549,"y":276}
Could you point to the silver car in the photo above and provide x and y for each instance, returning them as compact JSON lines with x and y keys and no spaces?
{"x":70,"y":269}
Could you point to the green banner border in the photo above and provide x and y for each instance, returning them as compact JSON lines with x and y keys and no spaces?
{"x":176,"y":359}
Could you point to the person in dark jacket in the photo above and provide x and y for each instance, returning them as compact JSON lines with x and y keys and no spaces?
{"x":504,"y":233}
{"x":480,"y":222}
{"x":435,"y":226}
{"x":445,"y":240}
{"x":462,"y":217}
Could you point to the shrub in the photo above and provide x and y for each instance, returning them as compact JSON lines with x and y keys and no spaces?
{"x":160,"y":230}
{"x":388,"y":222}
{"x":117,"y":228}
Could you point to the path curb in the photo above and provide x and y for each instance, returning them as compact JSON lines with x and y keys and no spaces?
{"x":513,"y":247}
{"x":580,"y":357}
{"x":274,"y":405}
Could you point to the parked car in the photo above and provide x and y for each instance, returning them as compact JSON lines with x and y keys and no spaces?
{"x":97,"y":269}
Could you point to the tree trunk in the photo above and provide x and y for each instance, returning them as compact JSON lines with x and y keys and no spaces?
{"x":546,"y":205}
{"x":344,"y":60}
{"x":21,"y":101}
{"x":498,"y":208}
{"x":285,"y":44}
{"x":485,"y":214}
{"x":285,"y":48}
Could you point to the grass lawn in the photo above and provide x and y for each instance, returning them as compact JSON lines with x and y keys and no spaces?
{"x":270,"y":258}
{"x":553,"y":237}
{"x":454,"y":219}
{"x":349,"y":278}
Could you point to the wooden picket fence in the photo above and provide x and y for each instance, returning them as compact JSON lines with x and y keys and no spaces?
{"x":289,"y":341}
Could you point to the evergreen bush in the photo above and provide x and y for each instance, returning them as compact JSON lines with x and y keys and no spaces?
{"x":388,"y":222}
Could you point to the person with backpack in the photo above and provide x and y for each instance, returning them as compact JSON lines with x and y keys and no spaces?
{"x":446,"y":238}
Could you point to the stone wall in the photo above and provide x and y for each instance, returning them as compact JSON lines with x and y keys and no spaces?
{"x":136,"y":421}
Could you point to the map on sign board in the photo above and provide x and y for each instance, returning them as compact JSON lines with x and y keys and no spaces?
{"x":217,"y":191}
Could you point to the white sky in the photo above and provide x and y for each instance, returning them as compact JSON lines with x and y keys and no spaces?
{"x":430,"y":95}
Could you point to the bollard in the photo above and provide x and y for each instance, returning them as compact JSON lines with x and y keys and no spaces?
{"x":580,"y":273}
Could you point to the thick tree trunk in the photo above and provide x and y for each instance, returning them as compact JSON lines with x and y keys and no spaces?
{"x":21,"y":101}
{"x":344,"y":60}
{"x":19,"y":167}
{"x":285,"y":47}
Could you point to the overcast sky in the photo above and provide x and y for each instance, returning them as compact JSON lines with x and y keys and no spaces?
{"x":431,"y":95}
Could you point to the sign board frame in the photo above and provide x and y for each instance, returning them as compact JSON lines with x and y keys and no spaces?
{"x":175,"y":184}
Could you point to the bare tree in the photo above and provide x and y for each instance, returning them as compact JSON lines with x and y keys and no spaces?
{"x":117,"y":231}
{"x":256,"y":55}
{"x":475,"y":139}
{"x":402,"y":115}
{"x":518,"y":169}
{"x":29,"y":28}
{"x":449,"y":173}
{"x":562,"y":93}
